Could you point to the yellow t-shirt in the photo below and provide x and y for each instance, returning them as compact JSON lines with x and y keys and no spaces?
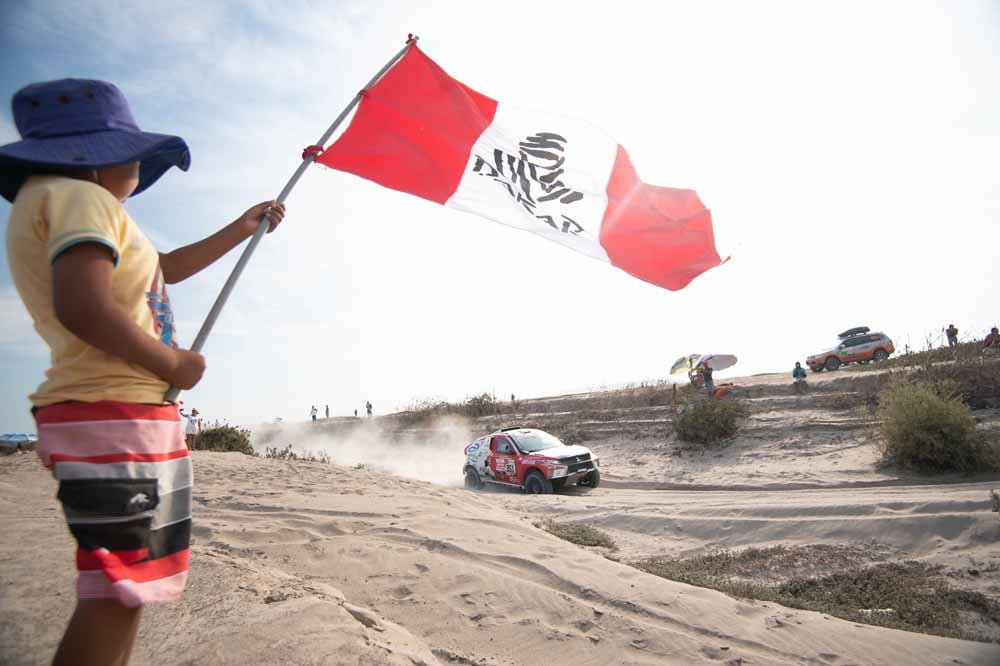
{"x":50,"y":215}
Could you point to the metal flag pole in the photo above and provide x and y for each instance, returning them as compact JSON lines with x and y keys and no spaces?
{"x":308,"y":158}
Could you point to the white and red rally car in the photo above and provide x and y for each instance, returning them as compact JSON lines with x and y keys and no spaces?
{"x":530,"y":459}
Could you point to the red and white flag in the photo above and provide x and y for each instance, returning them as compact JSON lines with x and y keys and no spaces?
{"x":418,"y":130}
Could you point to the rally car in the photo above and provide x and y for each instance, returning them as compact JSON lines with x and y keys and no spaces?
{"x":529,"y":459}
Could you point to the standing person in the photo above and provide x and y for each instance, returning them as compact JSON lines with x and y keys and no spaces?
{"x":799,"y":377}
{"x":355,"y":413}
{"x":952,"y":334}
{"x":706,"y":377}
{"x":368,"y":407}
{"x":313,"y":412}
{"x":94,"y":287}
{"x":192,"y":428}
{"x":328,"y":411}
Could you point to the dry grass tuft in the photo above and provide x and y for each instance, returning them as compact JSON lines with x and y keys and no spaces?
{"x":581,"y":535}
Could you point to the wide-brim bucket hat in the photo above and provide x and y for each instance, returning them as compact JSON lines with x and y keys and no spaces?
{"x":82,"y":124}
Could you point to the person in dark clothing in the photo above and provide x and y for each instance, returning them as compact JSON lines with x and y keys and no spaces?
{"x":799,"y":377}
{"x":952,"y":334}
{"x":368,"y":407}
{"x":706,"y":375}
{"x":313,"y":412}
{"x":328,"y":411}
{"x":992,"y":341}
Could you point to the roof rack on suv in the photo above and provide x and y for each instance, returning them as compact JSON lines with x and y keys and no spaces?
{"x":860,"y":330}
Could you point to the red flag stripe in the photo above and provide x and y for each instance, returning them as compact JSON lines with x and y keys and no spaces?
{"x":428,"y":148}
{"x":658,"y":234}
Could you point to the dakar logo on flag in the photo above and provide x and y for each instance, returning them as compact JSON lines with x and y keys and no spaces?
{"x":539,"y":166}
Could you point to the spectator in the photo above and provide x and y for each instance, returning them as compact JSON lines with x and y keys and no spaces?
{"x":991,"y":342}
{"x":368,"y":407}
{"x":192,"y":428}
{"x":328,"y":411}
{"x":313,"y":412}
{"x":706,"y":376}
{"x":799,"y":377}
{"x":355,"y":413}
{"x":952,"y":334}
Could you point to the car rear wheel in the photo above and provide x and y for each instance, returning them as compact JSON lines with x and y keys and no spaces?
{"x":472,"y":481}
{"x":592,"y":480}
{"x":880,"y":355}
{"x":832,"y":363}
{"x":536,"y":484}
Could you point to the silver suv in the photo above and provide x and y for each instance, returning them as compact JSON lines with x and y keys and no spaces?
{"x":855,"y":345}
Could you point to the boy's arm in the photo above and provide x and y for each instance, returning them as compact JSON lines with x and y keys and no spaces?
{"x":81,"y":296}
{"x":185,"y":261}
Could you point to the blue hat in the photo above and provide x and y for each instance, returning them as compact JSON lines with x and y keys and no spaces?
{"x":82,"y":124}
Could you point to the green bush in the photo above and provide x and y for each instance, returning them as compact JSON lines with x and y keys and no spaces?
{"x":930,"y":429}
{"x":225,"y":438}
{"x":709,"y":421}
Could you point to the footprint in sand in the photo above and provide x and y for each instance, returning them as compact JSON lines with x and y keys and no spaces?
{"x":402,"y":592}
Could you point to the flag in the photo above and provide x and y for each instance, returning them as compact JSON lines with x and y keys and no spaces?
{"x":417,"y":130}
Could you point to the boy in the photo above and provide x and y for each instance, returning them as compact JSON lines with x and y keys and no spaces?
{"x":94,"y":286}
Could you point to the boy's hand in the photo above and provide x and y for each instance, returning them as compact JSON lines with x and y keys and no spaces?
{"x":186,"y":370}
{"x":250,"y":220}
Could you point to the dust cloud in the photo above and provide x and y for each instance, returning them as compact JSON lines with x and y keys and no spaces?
{"x":434,"y":452}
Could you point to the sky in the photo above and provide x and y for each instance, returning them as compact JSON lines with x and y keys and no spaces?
{"x":848,"y":154}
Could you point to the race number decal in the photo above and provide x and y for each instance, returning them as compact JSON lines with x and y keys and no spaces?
{"x":505,"y":466}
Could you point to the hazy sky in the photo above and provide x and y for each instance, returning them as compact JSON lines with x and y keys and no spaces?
{"x":848,"y":152}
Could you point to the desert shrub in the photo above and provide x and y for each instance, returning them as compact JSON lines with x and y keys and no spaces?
{"x":709,"y":421}
{"x":913,"y":596}
{"x":930,"y":429}
{"x":287,"y":454}
{"x":483,"y":404}
{"x":225,"y":438}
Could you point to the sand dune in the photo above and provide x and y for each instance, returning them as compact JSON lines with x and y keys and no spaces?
{"x":306,"y":563}
{"x":366,"y":562}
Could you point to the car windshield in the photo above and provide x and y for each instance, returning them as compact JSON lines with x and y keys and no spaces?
{"x":530,"y":441}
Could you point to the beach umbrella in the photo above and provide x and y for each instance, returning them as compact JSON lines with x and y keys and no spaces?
{"x":684,"y":363}
{"x":717,"y":361}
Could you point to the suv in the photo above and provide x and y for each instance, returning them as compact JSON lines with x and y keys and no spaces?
{"x":529,"y":459}
{"x":855,"y":345}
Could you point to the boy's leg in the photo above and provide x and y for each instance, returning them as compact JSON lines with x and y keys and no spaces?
{"x":101,"y":632}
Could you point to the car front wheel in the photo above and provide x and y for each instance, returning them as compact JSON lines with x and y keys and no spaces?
{"x":536,"y":484}
{"x":880,"y":355}
{"x":472,"y":481}
{"x":592,"y":480}
{"x":832,"y":363}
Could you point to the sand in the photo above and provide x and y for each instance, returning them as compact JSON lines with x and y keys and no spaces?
{"x":309,"y":563}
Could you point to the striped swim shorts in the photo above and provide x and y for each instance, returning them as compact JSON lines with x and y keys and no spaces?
{"x":125,"y":485}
